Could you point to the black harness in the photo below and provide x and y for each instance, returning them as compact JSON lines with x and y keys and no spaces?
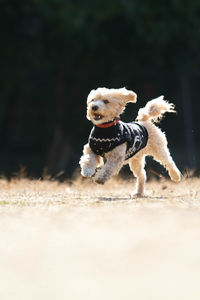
{"x":103,"y":140}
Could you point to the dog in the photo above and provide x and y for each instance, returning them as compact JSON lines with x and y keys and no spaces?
{"x":113,"y":143}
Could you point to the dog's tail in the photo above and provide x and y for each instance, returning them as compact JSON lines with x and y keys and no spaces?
{"x":155,"y":109}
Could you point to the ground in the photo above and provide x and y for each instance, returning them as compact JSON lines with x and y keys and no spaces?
{"x":79,"y":240}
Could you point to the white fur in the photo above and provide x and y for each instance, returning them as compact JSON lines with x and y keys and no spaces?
{"x":156,"y":145}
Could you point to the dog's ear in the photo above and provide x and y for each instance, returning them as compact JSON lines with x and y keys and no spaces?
{"x":127,"y":96}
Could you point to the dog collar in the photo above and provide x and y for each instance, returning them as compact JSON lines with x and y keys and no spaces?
{"x":109,"y":124}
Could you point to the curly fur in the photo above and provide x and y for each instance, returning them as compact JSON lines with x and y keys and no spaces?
{"x":116,"y":100}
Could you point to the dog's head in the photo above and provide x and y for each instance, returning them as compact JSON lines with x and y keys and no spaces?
{"x":103,"y":105}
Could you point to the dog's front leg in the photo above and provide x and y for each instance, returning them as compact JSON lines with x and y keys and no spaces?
{"x":114,"y":162}
{"x":89,"y":161}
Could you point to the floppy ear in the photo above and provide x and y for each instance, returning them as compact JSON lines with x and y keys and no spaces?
{"x":127,"y":96}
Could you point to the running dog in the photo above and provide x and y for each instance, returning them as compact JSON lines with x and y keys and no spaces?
{"x":113,"y":143}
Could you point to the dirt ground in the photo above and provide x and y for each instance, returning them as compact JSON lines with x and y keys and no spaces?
{"x":83,"y":241}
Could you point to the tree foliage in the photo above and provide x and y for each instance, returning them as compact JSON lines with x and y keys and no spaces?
{"x":54,"y":51}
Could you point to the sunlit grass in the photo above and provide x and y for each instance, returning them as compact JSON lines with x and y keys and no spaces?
{"x":25,"y":192}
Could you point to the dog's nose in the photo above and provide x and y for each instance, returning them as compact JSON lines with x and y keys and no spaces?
{"x":95,"y":107}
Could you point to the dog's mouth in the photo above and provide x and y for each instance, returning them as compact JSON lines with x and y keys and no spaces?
{"x":97,"y":117}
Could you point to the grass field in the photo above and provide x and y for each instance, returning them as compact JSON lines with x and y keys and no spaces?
{"x":84,"y":241}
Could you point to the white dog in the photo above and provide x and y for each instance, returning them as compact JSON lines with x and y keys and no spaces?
{"x":113,"y":143}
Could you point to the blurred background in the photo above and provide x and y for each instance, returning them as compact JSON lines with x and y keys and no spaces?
{"x":53,"y":52}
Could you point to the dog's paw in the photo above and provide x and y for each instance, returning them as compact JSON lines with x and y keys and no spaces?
{"x":175,"y":175}
{"x":87,"y":171}
{"x":137,"y":194}
{"x":100,"y":178}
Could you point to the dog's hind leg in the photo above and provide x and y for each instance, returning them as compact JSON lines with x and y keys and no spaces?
{"x":137,"y":167}
{"x":158,"y":149}
{"x":89,"y":161}
{"x":162,"y":155}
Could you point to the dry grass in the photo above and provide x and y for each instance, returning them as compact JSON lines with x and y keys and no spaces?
{"x":83,"y":241}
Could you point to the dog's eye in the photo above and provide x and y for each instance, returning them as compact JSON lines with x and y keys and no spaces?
{"x":106,"y":101}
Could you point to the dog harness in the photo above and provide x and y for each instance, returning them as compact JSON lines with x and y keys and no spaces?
{"x":106,"y":138}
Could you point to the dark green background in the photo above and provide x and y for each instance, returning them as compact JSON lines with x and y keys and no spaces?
{"x":53,"y":52}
